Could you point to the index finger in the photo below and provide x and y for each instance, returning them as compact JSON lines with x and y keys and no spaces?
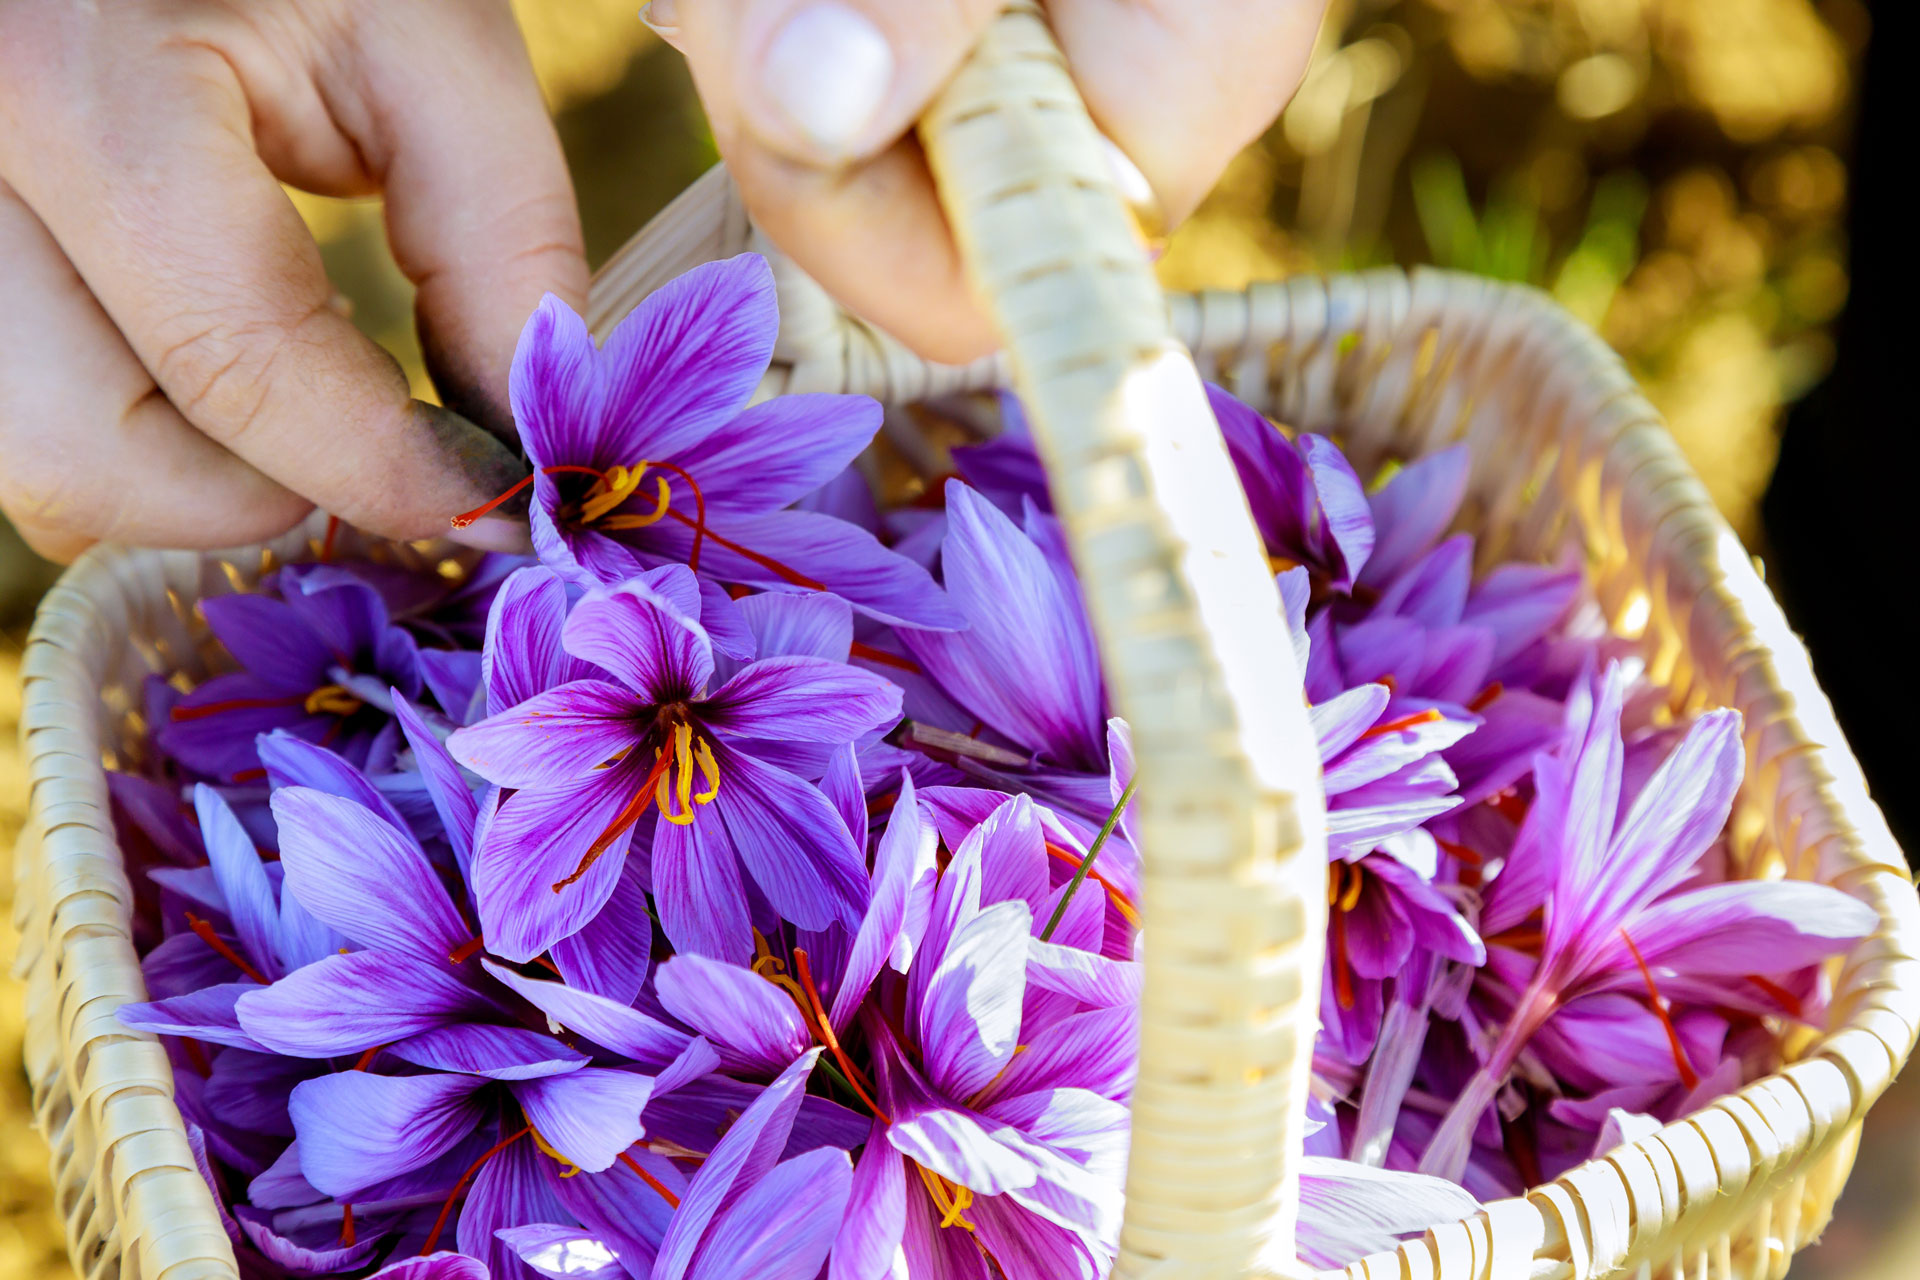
{"x":179,"y":230}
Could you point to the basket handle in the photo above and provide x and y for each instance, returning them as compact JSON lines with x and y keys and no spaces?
{"x":1197,"y":659}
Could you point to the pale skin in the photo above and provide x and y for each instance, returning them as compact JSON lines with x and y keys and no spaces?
{"x":173,"y":369}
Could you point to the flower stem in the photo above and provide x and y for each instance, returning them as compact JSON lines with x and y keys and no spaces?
{"x":1086,"y":863}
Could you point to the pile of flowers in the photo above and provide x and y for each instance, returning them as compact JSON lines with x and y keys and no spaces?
{"x":745,"y":885}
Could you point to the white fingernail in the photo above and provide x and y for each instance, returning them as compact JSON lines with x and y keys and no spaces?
{"x":662,"y":17}
{"x":828,"y":71}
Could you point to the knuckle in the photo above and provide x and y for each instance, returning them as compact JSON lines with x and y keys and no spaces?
{"x":219,"y":372}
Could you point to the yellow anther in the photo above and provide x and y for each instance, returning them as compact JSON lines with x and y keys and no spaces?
{"x":333,"y":700}
{"x":1351,"y":898}
{"x":612,"y":489}
{"x":950,"y":1198}
{"x":709,"y":769}
{"x":663,"y":497}
{"x":547,"y":1147}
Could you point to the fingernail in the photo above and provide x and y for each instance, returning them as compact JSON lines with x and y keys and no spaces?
{"x":827,"y":71}
{"x":662,"y":17}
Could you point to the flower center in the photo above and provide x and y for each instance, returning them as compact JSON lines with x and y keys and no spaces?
{"x":950,"y":1198}
{"x":669,"y":784}
{"x":332,"y":700}
{"x":612,"y":489}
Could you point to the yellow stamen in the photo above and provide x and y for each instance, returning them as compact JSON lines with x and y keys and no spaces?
{"x":709,"y":769}
{"x":774,"y":969}
{"x":333,"y":700}
{"x":950,"y":1198}
{"x":547,"y":1147}
{"x":611,"y":490}
{"x":663,"y":498}
{"x":1352,"y":896}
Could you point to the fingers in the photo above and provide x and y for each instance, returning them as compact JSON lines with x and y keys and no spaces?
{"x":797,"y":91}
{"x":1182,"y":87}
{"x":92,"y":450}
{"x":480,"y":207}
{"x":146,"y":176}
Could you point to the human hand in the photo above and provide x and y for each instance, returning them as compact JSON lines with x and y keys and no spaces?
{"x":811,"y":102}
{"x":171,"y":369}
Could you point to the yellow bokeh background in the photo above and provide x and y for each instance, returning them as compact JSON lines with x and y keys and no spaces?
{"x":1669,"y":169}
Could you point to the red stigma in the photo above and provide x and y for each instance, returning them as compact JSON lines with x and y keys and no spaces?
{"x":465,"y":951}
{"x":440,"y":1223}
{"x":203,"y":930}
{"x":823,"y":1029}
{"x":346,"y":1226}
{"x":250,"y":775}
{"x":1461,"y":852}
{"x":1342,"y":971}
{"x":673,"y":1201}
{"x":1485,"y":698}
{"x":466,"y":518}
{"x":1787,"y":1001}
{"x":1120,"y":900}
{"x":1404,"y":722}
{"x":326,"y":553}
{"x":180,"y":715}
{"x":868,"y":653}
{"x":1688,"y":1076}
{"x":1509,"y":805}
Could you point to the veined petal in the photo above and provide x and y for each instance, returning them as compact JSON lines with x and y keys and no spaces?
{"x":647,"y":632}
{"x":1412,"y":510}
{"x":555,"y":386}
{"x":1021,"y":618}
{"x":1347,"y":527}
{"x":347,"y":1003}
{"x":295,"y":762}
{"x":775,"y":453}
{"x":970,"y":1020}
{"x":540,"y":838}
{"x":1339,"y":721}
{"x":625,"y":1031}
{"x":270,"y":639}
{"x":523,"y":655}
{"x":562,"y":1253}
{"x":611,"y":953}
{"x":362,"y":877}
{"x":484,"y":1049}
{"x":1350,"y":1210}
{"x":904,"y":868}
{"x":435,"y":1266}
{"x":552,"y":737}
{"x":251,"y":904}
{"x":783,"y":1227}
{"x":684,"y":362}
{"x":589,"y":1116}
{"x":741,"y":1158}
{"x":870,"y":1232}
{"x":357,"y":1128}
{"x":1741,"y":927}
{"x":795,"y":699}
{"x":753,"y":1023}
{"x":519,"y":1184}
{"x":1096,"y":1050}
{"x":958,"y":1147}
{"x":792,"y":843}
{"x":698,"y":889}
{"x":207,"y":1014}
{"x":452,"y":799}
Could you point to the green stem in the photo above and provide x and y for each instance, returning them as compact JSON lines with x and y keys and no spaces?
{"x":1086,"y":863}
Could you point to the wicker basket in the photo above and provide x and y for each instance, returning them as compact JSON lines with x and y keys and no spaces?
{"x":1568,"y":456}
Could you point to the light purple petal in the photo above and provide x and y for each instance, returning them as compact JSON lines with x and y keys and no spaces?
{"x":876,"y":1211}
{"x":251,"y":905}
{"x":1349,"y":1210}
{"x":362,"y":877}
{"x":537,"y":840}
{"x":750,"y":1148}
{"x":207,"y":1014}
{"x":295,"y":762}
{"x":1765,"y":927}
{"x":435,"y":1266}
{"x":1339,"y":721}
{"x":783,"y":1227}
{"x":357,"y":1128}
{"x":556,"y":388}
{"x":452,"y":799}
{"x":553,"y":737}
{"x":779,"y":451}
{"x":970,"y":1020}
{"x":958,"y":1147}
{"x":345,"y":1004}
{"x":753,"y":1023}
{"x":627,"y":1032}
{"x":1021,"y":619}
{"x":563,"y":1253}
{"x":519,"y":1184}
{"x":1412,"y":510}
{"x":799,"y":626}
{"x":802,"y":700}
{"x":698,"y":889}
{"x":1347,"y":519}
{"x":792,"y":843}
{"x":588,"y":1116}
{"x":296,"y":1259}
{"x":271,"y":639}
{"x":610,"y":955}
{"x":523,"y":654}
{"x":682,"y":365}
{"x":647,"y":632}
{"x":904,"y":868}
{"x":483,"y":1049}
{"x":1097,"y":1051}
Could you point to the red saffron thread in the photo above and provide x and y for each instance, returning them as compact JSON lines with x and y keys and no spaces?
{"x":250,"y":775}
{"x":883,"y":658}
{"x":464,"y":952}
{"x":346,"y":1226}
{"x":440,"y":1223}
{"x":855,"y":1077}
{"x":635,"y":808}
{"x":1404,"y":722}
{"x":1785,"y":998}
{"x":1485,"y":698}
{"x":673,"y":1201}
{"x":181,"y":714}
{"x":203,"y":930}
{"x":365,"y":1060}
{"x":326,"y":553}
{"x":1119,"y":899}
{"x":1688,"y":1076}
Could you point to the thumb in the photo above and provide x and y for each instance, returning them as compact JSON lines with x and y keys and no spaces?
{"x":824,"y":83}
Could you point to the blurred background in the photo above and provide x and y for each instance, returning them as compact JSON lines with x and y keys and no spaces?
{"x":1697,"y":179}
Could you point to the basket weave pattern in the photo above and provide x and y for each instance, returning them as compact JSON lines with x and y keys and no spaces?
{"x":1569,"y":459}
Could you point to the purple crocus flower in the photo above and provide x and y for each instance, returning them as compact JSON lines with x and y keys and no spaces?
{"x":645,"y":452}
{"x":746,"y":1214}
{"x":317,"y":660}
{"x":590,"y":757}
{"x":1601,"y":863}
{"x":977,"y":1152}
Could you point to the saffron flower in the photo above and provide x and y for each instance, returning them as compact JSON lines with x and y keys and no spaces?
{"x":588,"y":760}
{"x":317,"y":659}
{"x":1604,"y":866}
{"x":645,"y":452}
